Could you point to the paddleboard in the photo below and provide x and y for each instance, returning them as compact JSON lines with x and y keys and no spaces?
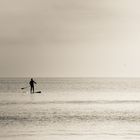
{"x":37,"y":92}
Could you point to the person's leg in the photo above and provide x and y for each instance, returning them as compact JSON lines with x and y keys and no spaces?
{"x":30,"y":89}
{"x":33,"y":89}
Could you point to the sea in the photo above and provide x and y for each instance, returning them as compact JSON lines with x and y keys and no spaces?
{"x":70,"y":109}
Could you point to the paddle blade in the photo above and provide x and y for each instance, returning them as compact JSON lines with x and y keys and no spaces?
{"x":24,"y":87}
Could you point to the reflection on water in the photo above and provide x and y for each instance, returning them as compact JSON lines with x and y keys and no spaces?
{"x":72,"y":120}
{"x":73,"y":114}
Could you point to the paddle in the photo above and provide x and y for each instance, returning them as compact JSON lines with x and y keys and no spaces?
{"x":25,"y":87}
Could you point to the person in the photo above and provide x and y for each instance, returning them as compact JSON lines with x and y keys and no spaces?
{"x":32,"y":82}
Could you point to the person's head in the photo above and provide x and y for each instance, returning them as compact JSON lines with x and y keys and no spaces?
{"x":31,"y":79}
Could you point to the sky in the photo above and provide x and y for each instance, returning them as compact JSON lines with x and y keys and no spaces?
{"x":69,"y":38}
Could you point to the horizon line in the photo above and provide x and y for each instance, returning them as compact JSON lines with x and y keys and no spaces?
{"x":70,"y":77}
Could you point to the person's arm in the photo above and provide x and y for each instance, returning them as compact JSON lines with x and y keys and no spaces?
{"x":35,"y":82}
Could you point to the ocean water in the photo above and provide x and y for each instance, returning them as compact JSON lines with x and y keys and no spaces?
{"x":70,"y":108}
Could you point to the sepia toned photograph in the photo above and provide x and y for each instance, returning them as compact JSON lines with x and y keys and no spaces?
{"x":69,"y":69}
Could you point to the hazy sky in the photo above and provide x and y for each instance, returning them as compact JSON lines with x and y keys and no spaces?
{"x":70,"y":38}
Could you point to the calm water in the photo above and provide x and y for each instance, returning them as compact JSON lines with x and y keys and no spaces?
{"x":70,"y":108}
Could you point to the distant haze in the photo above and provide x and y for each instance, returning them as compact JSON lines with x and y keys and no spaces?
{"x":70,"y":38}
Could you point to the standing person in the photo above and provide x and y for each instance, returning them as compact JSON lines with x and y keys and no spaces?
{"x":32,"y":82}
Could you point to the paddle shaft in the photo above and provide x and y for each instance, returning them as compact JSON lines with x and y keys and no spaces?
{"x":25,"y":87}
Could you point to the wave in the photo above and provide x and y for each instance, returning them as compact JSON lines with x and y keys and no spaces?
{"x":68,"y":117}
{"x":71,"y":102}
